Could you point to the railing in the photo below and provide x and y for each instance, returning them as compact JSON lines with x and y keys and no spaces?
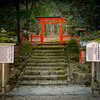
{"x":70,"y":37}
{"x":31,"y":40}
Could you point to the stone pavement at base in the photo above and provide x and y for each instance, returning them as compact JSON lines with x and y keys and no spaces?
{"x":60,"y":92}
{"x":54,"y":97}
{"x":53,"y":89}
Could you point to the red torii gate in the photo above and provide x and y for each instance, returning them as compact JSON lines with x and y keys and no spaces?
{"x":43,"y":20}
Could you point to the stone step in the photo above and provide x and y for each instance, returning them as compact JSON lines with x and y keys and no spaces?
{"x":43,"y":68}
{"x":46,"y":60}
{"x":44,"y":82}
{"x":54,"y":43}
{"x":50,"y":47}
{"x":48,"y":51}
{"x":48,"y":54}
{"x":44,"y":77}
{"x":51,"y":43}
{"x":45,"y":72}
{"x":47,"y":57}
{"x":46,"y":64}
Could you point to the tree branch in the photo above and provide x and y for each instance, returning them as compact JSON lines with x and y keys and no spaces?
{"x":31,"y":7}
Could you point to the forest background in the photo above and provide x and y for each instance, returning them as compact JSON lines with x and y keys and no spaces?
{"x":79,"y":13}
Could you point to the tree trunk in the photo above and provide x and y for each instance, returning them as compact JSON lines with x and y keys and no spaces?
{"x":27,"y":10}
{"x":55,"y":28}
{"x":62,"y":30}
{"x":18,"y":23}
{"x":49,"y":27}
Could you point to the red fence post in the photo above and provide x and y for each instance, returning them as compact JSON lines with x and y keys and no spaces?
{"x":31,"y":38}
{"x":80,"y":57}
{"x":22,"y":38}
{"x":60,"y":31}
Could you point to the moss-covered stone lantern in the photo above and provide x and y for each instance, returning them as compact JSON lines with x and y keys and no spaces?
{"x":25,"y":47}
{"x":11,"y":34}
{"x":4,"y":38}
{"x":25,"y":31}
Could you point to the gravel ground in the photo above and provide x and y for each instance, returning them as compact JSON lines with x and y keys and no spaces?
{"x":53,"y":97}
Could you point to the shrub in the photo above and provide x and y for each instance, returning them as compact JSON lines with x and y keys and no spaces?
{"x":75,"y":58}
{"x":84,"y":67}
{"x":73,"y":46}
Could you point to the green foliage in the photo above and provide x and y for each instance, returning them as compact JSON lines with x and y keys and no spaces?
{"x":98,"y":32}
{"x":72,"y":31}
{"x":79,"y":23}
{"x":87,"y":38}
{"x":83,"y":67}
{"x":26,"y":26}
{"x":73,"y":46}
{"x":84,"y":38}
{"x":75,"y":58}
{"x":79,"y":66}
{"x":14,"y":40}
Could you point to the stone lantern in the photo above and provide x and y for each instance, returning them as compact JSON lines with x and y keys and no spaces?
{"x":25,"y":47}
{"x":25,"y":31}
{"x":83,"y":54}
{"x":4,"y":38}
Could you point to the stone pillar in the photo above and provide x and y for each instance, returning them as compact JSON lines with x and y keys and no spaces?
{"x":83,"y":55}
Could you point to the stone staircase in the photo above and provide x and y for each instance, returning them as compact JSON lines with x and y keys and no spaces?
{"x":46,"y":66}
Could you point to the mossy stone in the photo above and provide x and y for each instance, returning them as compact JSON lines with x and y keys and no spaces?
{"x":32,"y":73}
{"x":75,"y":75}
{"x":62,"y":72}
{"x":61,"y":77}
{"x":58,"y":68}
{"x":25,"y":47}
{"x":61,"y":60}
{"x":31,"y":63}
{"x":9,"y":83}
